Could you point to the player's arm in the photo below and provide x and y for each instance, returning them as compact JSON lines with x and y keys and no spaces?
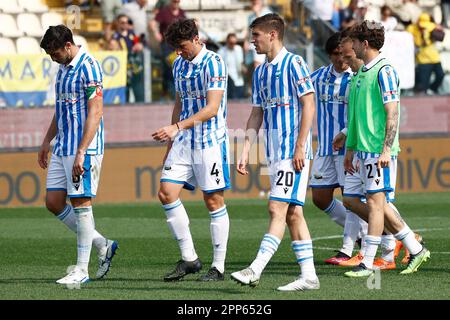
{"x":388,"y":83}
{"x":308,"y":110}
{"x":253,"y":124}
{"x":175,"y":117}
{"x":95,"y":113}
{"x":45,"y":146}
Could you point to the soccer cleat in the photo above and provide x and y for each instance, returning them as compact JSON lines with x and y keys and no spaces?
{"x":246,"y":277}
{"x":360,"y":271}
{"x":212,"y":275}
{"x":183,"y":268}
{"x":76,"y":276}
{"x":382,"y":264}
{"x":416,"y":260}
{"x":301,"y":285}
{"x":352,"y":262}
{"x":398,"y":248}
{"x":338,"y":258}
{"x":104,"y":261}
{"x":405,"y":259}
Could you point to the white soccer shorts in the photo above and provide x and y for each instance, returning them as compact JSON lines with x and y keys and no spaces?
{"x":209,"y":168}
{"x":59,"y":176}
{"x":327,"y":172}
{"x":286,"y":184}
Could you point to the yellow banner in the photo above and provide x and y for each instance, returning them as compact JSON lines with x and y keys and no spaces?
{"x":132,"y":175}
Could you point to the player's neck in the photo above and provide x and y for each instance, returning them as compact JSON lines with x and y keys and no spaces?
{"x":370,"y":56}
{"x":73,"y":53}
{"x":274,"y":51}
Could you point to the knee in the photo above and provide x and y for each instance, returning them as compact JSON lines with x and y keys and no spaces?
{"x":276,"y":213}
{"x":294,"y":218}
{"x":165,"y":197}
{"x":321,"y":202}
{"x":348,"y":203}
{"x":214,"y":203}
{"x":55,"y":206}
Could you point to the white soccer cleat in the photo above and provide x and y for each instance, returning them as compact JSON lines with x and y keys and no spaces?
{"x":246,"y":277}
{"x":104,"y":261}
{"x":75,"y":277}
{"x":301,"y":284}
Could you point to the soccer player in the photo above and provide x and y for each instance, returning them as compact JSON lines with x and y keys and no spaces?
{"x":77,"y":155}
{"x":373,"y":122}
{"x":331,"y":84}
{"x":197,"y":151}
{"x":283,"y":99}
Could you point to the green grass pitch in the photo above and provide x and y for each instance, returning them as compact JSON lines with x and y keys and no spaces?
{"x":36,"y":249}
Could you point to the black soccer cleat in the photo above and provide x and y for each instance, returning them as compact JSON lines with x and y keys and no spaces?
{"x":183,"y":268}
{"x":212,"y":275}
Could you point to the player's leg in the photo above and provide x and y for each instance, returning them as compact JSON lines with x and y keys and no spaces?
{"x":303,"y":250}
{"x":212,"y":172}
{"x":324,"y":179}
{"x":178,"y":173}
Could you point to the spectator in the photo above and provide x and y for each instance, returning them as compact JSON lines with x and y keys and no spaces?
{"x":354,"y":13}
{"x":233,"y":55}
{"x":408,"y":12}
{"x":137,"y":12}
{"x":110,"y":9}
{"x":166,"y":16}
{"x":127,"y":40}
{"x":320,"y":11}
{"x":427,"y":56}
{"x":388,"y":21}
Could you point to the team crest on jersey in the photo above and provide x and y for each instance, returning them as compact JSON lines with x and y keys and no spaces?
{"x":217,"y":58}
{"x":299,"y":60}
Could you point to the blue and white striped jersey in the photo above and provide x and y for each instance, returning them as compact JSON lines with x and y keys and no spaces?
{"x":193,"y":79}
{"x":277,"y":88}
{"x":72,"y":104}
{"x":331,"y":99}
{"x":387,"y":79}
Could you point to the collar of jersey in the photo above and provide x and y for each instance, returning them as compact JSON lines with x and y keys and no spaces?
{"x":373,"y":62}
{"x":279,"y":57}
{"x":337,"y":74}
{"x":75,"y":60}
{"x":199,"y":57}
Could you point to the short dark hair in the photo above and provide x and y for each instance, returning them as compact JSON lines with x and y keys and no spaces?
{"x":371,"y":31}
{"x":269,"y":22}
{"x":56,"y":37}
{"x":232,"y":34}
{"x":181,"y":30}
{"x":333,"y":43}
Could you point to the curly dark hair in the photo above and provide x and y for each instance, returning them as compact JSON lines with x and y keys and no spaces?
{"x":333,"y":42}
{"x":371,"y":31}
{"x":181,"y":30}
{"x":56,"y":37}
{"x":269,"y":22}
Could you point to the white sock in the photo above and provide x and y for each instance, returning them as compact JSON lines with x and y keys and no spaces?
{"x":337,"y":212}
{"x":387,"y":247}
{"x":178,"y":222}
{"x":85,"y":230}
{"x":68,"y":217}
{"x":351,"y":231}
{"x":372,"y":243}
{"x":362,"y":234}
{"x":219,"y":227}
{"x":269,"y":245}
{"x":409,"y":241}
{"x":305,"y":258}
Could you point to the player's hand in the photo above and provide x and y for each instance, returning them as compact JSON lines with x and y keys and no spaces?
{"x":242,"y":164}
{"x":77,"y":169}
{"x":299,"y":158}
{"x":166,"y":133}
{"x":339,"y":141}
{"x":43,"y":155}
{"x":348,"y":162}
{"x":384,"y":160}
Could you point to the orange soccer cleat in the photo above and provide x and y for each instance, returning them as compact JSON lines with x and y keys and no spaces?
{"x":382,"y":264}
{"x":352,"y":262}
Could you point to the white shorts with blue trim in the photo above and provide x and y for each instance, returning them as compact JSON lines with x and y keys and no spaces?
{"x":377,"y":180}
{"x":286,"y":184}
{"x":327,"y":172}
{"x":59,"y":176}
{"x":209,"y":168}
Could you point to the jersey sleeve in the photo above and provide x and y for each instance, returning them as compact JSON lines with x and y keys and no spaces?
{"x":92,"y":73}
{"x":301,"y":76}
{"x":389,"y":84}
{"x":216,"y":74}
{"x":315,"y":74}
{"x":256,"y":89}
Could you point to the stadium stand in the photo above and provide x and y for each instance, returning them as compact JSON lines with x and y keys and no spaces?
{"x":28,"y":45}
{"x":10,"y":7}
{"x":7,"y":46}
{"x":29,"y":24}
{"x":35,"y":6}
{"x":51,"y":19}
